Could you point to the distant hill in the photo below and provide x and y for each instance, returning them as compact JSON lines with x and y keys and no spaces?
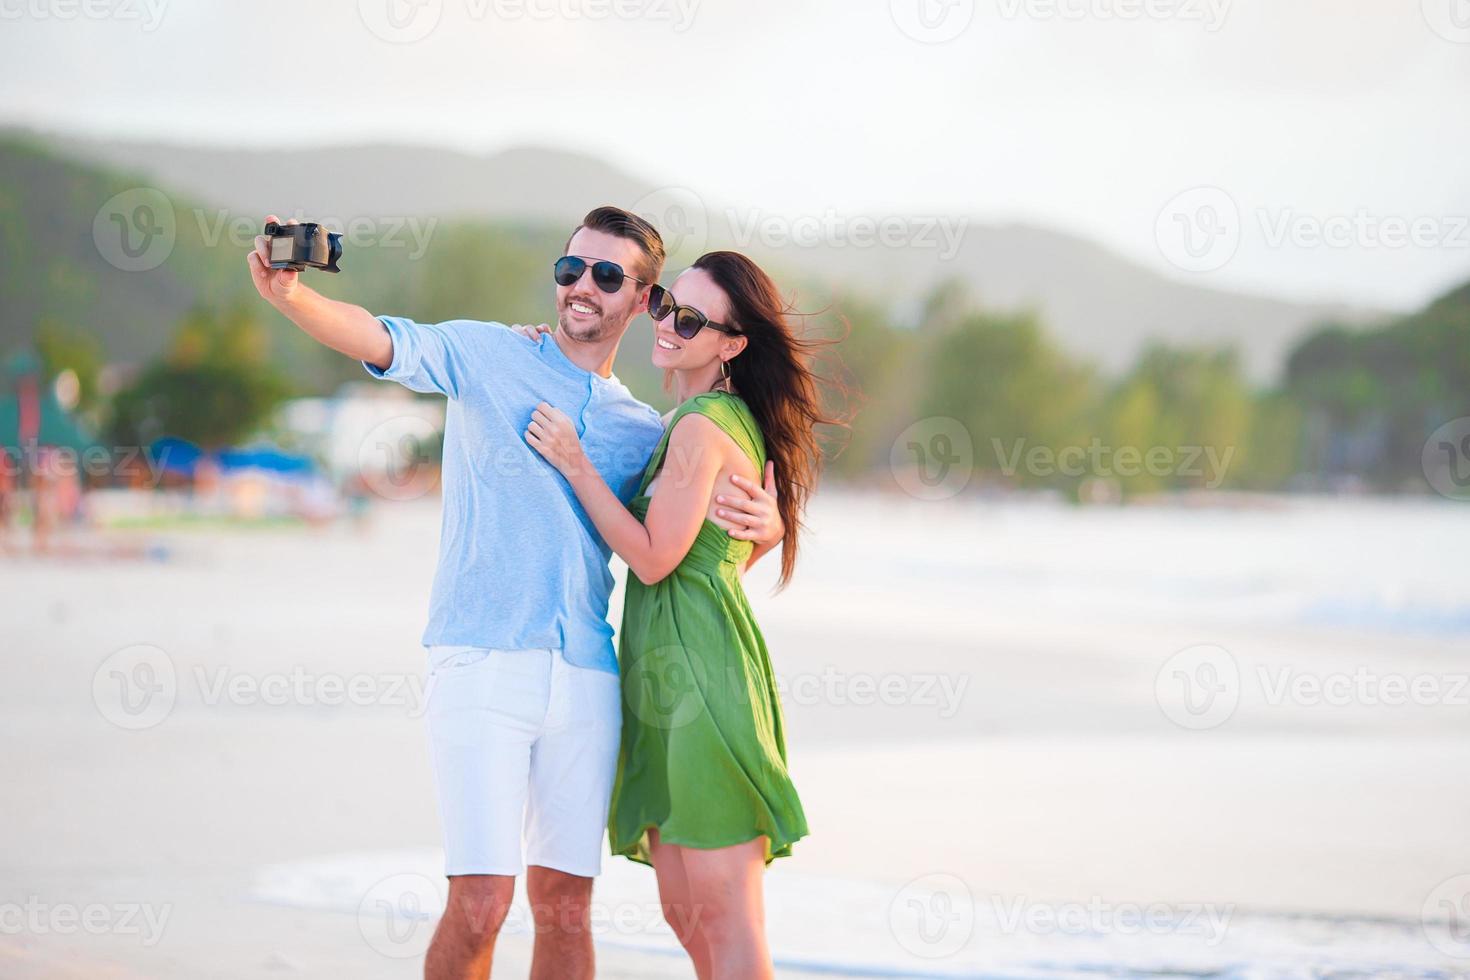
{"x":1099,"y":305}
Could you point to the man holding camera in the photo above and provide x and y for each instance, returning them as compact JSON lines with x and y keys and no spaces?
{"x":523,"y":701}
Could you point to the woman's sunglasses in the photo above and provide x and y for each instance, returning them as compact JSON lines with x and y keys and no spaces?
{"x":607,"y":275}
{"x":687,"y":320}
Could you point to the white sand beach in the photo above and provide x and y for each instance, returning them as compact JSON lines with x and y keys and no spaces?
{"x":214,"y":765}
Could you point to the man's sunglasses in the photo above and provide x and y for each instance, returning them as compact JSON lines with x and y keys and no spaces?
{"x":687,"y":320}
{"x":607,"y":275}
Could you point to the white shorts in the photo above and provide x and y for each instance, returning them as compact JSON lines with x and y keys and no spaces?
{"x":525,"y":747}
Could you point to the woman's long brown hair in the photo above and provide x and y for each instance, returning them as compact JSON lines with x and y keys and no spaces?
{"x":773,"y":374}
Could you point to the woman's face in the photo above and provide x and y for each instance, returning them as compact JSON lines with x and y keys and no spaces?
{"x":695,"y":288}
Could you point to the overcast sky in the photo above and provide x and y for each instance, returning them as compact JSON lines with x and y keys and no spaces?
{"x":1301,"y":120}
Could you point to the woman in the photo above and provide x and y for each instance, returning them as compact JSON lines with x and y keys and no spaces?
{"x":702,"y":790}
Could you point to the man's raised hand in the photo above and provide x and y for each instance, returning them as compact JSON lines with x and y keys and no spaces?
{"x":274,"y":285}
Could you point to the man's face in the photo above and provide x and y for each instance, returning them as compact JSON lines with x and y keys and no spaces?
{"x":586,"y":313}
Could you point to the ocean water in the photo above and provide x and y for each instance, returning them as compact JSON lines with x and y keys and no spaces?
{"x":1390,"y":565}
{"x":847,"y":927}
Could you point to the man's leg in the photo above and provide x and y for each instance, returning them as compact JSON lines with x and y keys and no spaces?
{"x":561,"y":905}
{"x":464,"y":942}
{"x":572,"y":767}
{"x":484,"y":711}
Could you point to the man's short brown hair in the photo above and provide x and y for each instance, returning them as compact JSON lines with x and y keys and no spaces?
{"x":626,"y":224}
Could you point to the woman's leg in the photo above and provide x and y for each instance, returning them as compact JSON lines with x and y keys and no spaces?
{"x":679,"y":910}
{"x":726,"y":892}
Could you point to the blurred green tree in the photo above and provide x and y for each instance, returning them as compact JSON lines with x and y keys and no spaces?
{"x":215,"y":386}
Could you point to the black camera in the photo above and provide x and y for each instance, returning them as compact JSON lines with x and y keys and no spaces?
{"x":308,"y":246}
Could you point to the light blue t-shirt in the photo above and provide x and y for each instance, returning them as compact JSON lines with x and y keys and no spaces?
{"x":521,"y":565}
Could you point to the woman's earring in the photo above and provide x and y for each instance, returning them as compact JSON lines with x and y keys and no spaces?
{"x":725,"y":374}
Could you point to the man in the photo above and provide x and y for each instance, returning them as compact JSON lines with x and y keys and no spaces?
{"x":524,"y":710}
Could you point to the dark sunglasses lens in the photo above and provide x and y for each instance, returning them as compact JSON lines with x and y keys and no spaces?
{"x":608,"y":276}
{"x":688,"y":322}
{"x":569,"y":269}
{"x":660,"y":303}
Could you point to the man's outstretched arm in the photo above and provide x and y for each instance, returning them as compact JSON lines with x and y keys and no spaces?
{"x":343,"y":327}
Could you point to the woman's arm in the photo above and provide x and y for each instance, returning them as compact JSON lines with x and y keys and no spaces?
{"x":692,"y":461}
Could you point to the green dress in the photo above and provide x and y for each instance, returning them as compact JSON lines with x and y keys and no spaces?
{"x":703,"y":754}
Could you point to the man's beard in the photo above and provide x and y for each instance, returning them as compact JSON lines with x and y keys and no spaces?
{"x":605,"y":326}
